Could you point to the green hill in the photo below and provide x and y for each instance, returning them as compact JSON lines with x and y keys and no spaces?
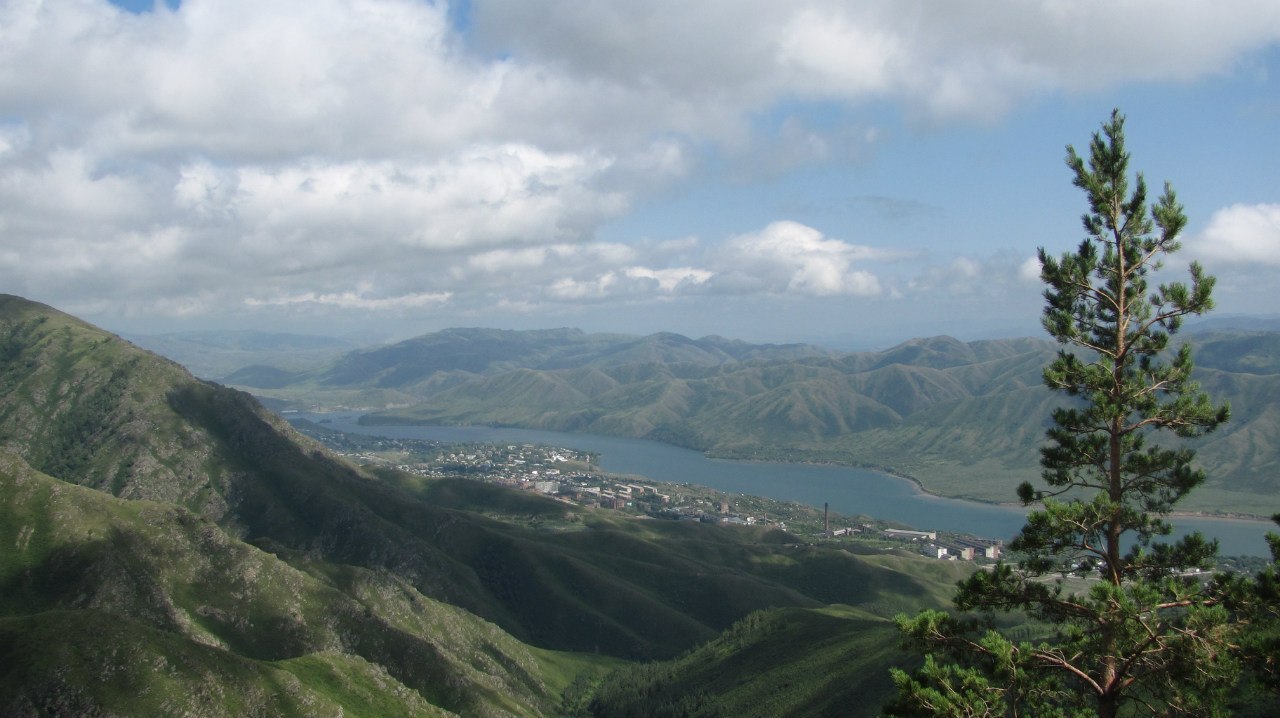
{"x":801,"y":663}
{"x":149,"y":598}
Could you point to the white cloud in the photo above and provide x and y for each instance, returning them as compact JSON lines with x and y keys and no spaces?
{"x":306,"y":228}
{"x":67,"y":184}
{"x":829,"y":52}
{"x":485,"y":196}
{"x":588,"y":272}
{"x":671,"y":279}
{"x":246,"y":79}
{"x":1241,"y":234}
{"x":789,"y":257}
{"x":1029,"y":271}
{"x":625,"y":285}
{"x":783,"y":258}
{"x":356,"y":299}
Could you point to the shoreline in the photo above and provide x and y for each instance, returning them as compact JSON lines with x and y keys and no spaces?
{"x":920,"y":486}
{"x":1214,"y":515}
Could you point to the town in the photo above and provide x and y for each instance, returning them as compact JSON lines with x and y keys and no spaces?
{"x":574,"y":477}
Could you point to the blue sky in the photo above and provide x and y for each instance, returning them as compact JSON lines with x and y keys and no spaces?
{"x":854,"y":174}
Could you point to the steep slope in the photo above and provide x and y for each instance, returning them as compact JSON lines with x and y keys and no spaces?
{"x":81,"y":405}
{"x":788,"y":662}
{"x":784,"y":663}
{"x":140,"y":585}
{"x":1241,"y":352}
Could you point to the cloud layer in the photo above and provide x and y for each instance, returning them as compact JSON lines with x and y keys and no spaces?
{"x":384,"y":156}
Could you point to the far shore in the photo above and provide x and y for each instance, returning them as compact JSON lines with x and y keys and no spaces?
{"x":1217,"y":515}
{"x":1222,"y":516}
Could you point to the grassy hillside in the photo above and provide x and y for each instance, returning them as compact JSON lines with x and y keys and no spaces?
{"x":801,"y":663}
{"x":149,"y":597}
{"x":966,"y":419}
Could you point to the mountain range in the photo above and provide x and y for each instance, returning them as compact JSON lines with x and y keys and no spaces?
{"x":965,"y":419}
{"x":173,"y":548}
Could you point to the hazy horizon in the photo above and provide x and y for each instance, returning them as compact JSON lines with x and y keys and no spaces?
{"x":835,"y":341}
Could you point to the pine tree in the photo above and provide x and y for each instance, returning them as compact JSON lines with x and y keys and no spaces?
{"x":1254,"y":604}
{"x":1142,"y":634}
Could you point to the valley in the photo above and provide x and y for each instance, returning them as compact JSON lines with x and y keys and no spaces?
{"x":194,"y":549}
{"x":178,"y":548}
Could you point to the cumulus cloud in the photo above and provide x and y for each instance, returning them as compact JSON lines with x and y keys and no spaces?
{"x":1241,"y":234}
{"x":590,"y":272}
{"x":784,"y":258}
{"x":789,"y":257}
{"x":484,"y":196}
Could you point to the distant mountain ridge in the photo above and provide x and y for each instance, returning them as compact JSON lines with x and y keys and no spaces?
{"x":485,"y":351}
{"x":964,"y":418}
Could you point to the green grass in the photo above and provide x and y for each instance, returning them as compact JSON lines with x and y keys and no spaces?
{"x":85,"y":662}
{"x":181,"y":576}
{"x":785,"y":662}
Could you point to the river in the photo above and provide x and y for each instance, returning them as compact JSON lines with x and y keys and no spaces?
{"x":849,"y":491}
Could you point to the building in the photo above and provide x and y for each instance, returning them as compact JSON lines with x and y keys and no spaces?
{"x":905,"y":535}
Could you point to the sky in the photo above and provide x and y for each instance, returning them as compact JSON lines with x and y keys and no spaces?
{"x":847,"y":173}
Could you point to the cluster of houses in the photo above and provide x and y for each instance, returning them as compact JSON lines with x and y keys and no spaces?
{"x":553,"y":471}
{"x":645,"y":499}
{"x":956,"y":547}
{"x":951,"y":547}
{"x":592,"y":490}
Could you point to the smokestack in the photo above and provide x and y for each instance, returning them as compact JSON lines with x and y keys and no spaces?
{"x":826,"y":518}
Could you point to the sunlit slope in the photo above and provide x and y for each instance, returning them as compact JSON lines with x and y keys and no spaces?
{"x":798,"y":663}
{"x":142,"y":607}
